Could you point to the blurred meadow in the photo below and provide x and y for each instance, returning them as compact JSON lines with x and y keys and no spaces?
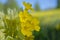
{"x":41,"y":18}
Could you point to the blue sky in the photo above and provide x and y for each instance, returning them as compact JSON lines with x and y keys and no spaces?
{"x":44,"y":4}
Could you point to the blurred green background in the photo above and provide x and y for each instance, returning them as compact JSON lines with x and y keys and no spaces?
{"x":47,"y":11}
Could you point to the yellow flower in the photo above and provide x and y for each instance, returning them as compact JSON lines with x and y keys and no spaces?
{"x":29,"y":38}
{"x":21,"y":17}
{"x":37,"y":28}
{"x":28,"y":23}
{"x":26,"y":32}
{"x":35,"y":21}
{"x":27,"y":5}
{"x":24,"y":16}
{"x":27,"y":26}
{"x":25,"y":11}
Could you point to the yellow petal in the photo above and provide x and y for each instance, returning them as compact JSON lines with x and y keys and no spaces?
{"x":26,"y":32}
{"x":37,"y":28}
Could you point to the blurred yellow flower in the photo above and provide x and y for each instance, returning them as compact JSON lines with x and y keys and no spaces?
{"x":26,"y":32}
{"x":29,"y":38}
{"x":27,"y":5}
{"x":37,"y":28}
{"x":24,"y":16}
{"x":28,"y":23}
{"x":35,"y":21}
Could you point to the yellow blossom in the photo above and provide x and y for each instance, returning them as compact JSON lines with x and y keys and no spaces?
{"x":27,"y":26}
{"x":35,"y":21}
{"x":24,"y":16}
{"x":27,"y":5}
{"x":29,"y":38}
{"x":28,"y":23}
{"x":37,"y":28}
{"x":26,"y":32}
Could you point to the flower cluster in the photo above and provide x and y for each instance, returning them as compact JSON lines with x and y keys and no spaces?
{"x":28,"y":23}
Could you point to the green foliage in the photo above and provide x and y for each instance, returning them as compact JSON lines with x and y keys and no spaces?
{"x":12,"y":30}
{"x":1,"y":6}
{"x":50,"y":30}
